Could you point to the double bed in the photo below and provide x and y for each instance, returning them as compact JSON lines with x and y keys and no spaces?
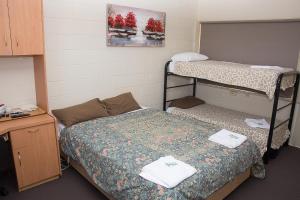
{"x":111,"y":151}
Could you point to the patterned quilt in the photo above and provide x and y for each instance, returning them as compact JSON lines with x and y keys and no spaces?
{"x":113,"y":150}
{"x":236,"y":74}
{"x":235,"y":121}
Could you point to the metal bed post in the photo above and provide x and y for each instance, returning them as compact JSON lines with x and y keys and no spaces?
{"x":194,"y":86}
{"x":165,"y":86}
{"x":296,"y":87}
{"x":273,"y":119}
{"x":276,"y":109}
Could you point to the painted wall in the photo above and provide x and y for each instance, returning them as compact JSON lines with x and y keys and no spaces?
{"x":80,"y":66}
{"x":219,"y":10}
{"x":17,"y":81}
{"x":227,"y":10}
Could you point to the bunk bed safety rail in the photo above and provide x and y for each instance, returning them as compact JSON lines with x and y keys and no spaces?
{"x":166,"y":87}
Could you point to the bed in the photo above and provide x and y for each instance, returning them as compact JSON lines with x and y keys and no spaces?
{"x":111,"y":151}
{"x":236,"y":74}
{"x":252,"y":43}
{"x":235,"y":121}
{"x":248,"y":78}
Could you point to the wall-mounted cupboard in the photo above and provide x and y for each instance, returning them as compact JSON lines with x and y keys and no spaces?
{"x":21,"y":28}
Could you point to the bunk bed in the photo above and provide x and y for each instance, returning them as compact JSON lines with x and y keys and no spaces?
{"x":239,"y":77}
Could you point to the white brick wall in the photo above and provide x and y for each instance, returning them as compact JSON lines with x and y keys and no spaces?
{"x":16,"y":81}
{"x":80,"y":66}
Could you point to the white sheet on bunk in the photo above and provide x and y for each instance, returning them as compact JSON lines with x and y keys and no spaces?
{"x":228,"y":138}
{"x":257,"y":123}
{"x":167,"y":171}
{"x":172,"y":66}
{"x":276,"y":68}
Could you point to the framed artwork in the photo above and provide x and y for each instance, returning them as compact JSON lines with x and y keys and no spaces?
{"x":135,"y":27}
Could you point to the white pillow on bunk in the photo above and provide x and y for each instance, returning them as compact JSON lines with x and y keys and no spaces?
{"x":188,"y":56}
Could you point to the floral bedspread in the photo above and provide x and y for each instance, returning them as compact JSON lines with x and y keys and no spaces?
{"x":235,"y":121}
{"x":235,"y":74}
{"x":113,"y":150}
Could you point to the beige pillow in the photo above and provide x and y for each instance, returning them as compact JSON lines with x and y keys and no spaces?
{"x":79,"y":113}
{"x":121,"y":104}
{"x":186,"y":102}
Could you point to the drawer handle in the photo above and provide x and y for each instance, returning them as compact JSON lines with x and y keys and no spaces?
{"x":33,"y":131}
{"x":17,"y":42}
{"x":19,"y":157}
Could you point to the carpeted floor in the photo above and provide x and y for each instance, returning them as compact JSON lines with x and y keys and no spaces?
{"x":282,"y":182}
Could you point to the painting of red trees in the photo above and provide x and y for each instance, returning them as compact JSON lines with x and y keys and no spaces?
{"x":128,"y":26}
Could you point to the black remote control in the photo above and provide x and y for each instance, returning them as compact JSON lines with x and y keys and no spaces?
{"x":17,"y":115}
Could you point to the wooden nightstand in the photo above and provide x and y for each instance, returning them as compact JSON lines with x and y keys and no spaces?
{"x":35,"y":149}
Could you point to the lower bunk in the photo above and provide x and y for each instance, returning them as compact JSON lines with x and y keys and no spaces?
{"x":110,"y":152}
{"x":235,"y":121}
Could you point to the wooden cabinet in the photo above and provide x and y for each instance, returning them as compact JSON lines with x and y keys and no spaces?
{"x":35,"y":155}
{"x":22,"y":23}
{"x":33,"y":139}
{"x":5,"y":41}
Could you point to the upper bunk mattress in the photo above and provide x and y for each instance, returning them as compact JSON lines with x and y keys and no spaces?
{"x":235,"y":74}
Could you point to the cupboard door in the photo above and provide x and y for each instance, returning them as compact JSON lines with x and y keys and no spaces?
{"x":26,"y":164}
{"x":47,"y":151}
{"x":35,"y":154}
{"x":26,"y":23}
{"x":5,"y":42}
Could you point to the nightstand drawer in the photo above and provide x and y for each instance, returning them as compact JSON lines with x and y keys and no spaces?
{"x":26,"y":137}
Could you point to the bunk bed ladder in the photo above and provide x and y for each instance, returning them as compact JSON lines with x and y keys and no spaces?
{"x":268,"y":153}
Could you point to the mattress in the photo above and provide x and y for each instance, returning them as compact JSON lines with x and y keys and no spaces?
{"x":235,"y":74}
{"x":113,"y":150}
{"x":234,"y":121}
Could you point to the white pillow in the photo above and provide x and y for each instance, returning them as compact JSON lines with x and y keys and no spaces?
{"x":189,"y":56}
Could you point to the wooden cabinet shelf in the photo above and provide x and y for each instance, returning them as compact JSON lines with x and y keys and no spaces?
{"x":36,"y":112}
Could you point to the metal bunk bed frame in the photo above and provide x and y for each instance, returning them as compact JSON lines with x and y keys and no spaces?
{"x":270,"y":153}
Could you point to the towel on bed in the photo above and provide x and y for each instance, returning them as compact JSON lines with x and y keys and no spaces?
{"x":257,"y":123}
{"x":167,"y":171}
{"x":228,"y":138}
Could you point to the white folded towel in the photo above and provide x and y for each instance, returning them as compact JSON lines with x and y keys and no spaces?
{"x":228,"y":138}
{"x":257,"y":123}
{"x":167,"y":171}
